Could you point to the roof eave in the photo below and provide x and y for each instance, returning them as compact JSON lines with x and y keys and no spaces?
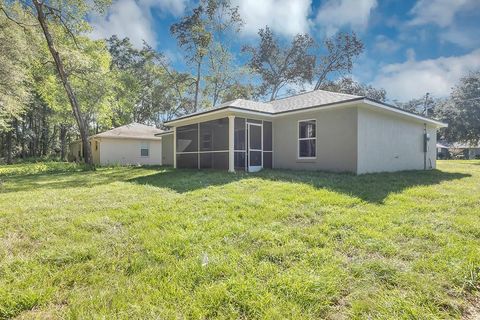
{"x":218,"y":110}
{"x":367,"y":101}
{"x":165,"y":133}
{"x":392,"y":108}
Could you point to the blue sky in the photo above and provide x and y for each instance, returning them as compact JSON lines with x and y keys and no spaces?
{"x":411,"y":46}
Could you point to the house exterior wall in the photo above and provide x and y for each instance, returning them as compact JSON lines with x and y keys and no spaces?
{"x":336,"y":140}
{"x":387,"y":142}
{"x":127,"y":151}
{"x":167,"y":150}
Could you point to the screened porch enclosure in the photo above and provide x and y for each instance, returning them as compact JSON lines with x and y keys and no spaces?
{"x":205,"y":145}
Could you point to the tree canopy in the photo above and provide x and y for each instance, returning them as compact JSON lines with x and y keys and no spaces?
{"x":58,"y":84}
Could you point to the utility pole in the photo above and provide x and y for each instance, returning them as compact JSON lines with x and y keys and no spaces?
{"x":425,"y":106}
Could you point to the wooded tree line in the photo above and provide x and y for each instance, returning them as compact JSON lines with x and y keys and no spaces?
{"x":461,"y":110}
{"x":57,"y":84}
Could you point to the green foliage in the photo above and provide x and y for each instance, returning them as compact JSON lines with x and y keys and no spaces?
{"x":133,"y":243}
{"x":146,"y":89}
{"x":350,"y":86}
{"x":341,"y":50}
{"x":87,"y":64}
{"x":462,"y":111}
{"x":203,"y":34}
{"x":278,"y":65}
{"x":15,"y":56}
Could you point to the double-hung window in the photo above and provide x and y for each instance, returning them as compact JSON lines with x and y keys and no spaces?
{"x":307,"y":139}
{"x":144,"y":149}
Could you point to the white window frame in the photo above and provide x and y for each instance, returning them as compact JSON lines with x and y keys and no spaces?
{"x":142,"y":144}
{"x":300,"y":139}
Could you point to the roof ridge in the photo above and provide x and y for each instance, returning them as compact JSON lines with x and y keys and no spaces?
{"x":315,"y":90}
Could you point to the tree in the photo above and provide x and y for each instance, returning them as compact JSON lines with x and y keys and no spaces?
{"x":204,"y":36}
{"x":341,"y":50}
{"x":192,"y":35}
{"x":15,"y":77}
{"x":239,"y":91}
{"x":146,"y":89}
{"x":462,"y":110}
{"x":222,"y":20}
{"x":279,"y":65}
{"x":14,"y":71}
{"x":350,"y":86}
{"x":70,"y":15}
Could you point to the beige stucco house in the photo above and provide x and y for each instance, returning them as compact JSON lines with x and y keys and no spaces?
{"x":317,"y":130}
{"x":130,"y":144}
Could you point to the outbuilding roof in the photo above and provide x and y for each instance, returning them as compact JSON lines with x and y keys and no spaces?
{"x":132,"y":131}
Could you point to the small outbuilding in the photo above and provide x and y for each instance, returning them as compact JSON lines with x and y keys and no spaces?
{"x":467,"y":151}
{"x":131,"y":144}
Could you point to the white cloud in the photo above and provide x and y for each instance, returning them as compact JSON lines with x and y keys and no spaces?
{"x":285,"y":17}
{"x":133,"y":19}
{"x":386,"y":45}
{"x":412,"y":79}
{"x":465,"y":38}
{"x":439,"y":12}
{"x":335,"y":14}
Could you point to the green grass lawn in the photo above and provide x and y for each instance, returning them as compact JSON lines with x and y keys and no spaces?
{"x":156,"y":243}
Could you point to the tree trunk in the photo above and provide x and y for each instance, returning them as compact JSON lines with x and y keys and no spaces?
{"x":8,"y":158}
{"x":197,"y":87}
{"x":53,"y":141}
{"x":63,"y":137}
{"x":44,"y":132}
{"x":17,"y":132}
{"x":24,"y":152}
{"x":66,"y":84}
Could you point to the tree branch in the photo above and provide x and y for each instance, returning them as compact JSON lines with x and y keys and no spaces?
{"x":20,"y":24}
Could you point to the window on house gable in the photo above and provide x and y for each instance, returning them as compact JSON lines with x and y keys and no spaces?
{"x":307,"y":139}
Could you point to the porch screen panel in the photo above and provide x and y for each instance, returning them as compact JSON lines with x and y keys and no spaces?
{"x":267,"y":160}
{"x":214,"y":160}
{"x":240,"y":139}
{"x":267,"y":144}
{"x":214,"y":135}
{"x":240,"y":160}
{"x":213,"y":138}
{"x":187,"y":138}
{"x":239,"y":136}
{"x":187,"y":160}
{"x":267,"y":136}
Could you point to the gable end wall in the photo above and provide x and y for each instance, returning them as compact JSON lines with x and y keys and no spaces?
{"x":389,"y":142}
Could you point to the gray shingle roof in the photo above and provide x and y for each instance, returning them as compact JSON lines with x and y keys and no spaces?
{"x":132,"y":130}
{"x":299,"y":101}
{"x":312,"y":99}
{"x":309,"y":99}
{"x":248,"y":104}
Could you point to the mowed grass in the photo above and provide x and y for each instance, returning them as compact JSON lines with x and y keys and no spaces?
{"x":154,"y":243}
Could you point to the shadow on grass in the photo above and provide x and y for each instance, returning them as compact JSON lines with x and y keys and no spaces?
{"x":370,"y":187}
{"x":67,"y":178}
